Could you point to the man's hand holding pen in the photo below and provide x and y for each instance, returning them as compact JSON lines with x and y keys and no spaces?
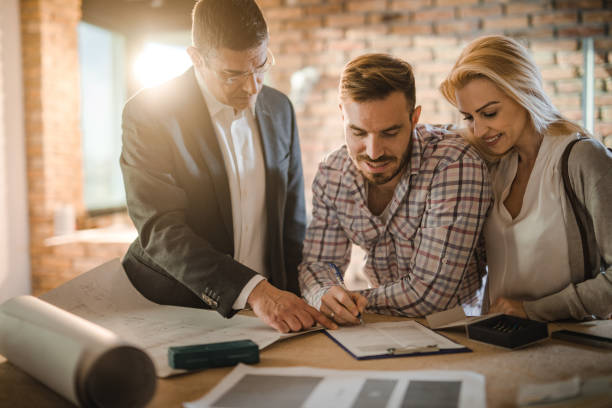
{"x":341,"y":305}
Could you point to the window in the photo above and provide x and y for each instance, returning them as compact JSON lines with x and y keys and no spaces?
{"x":101,"y":57}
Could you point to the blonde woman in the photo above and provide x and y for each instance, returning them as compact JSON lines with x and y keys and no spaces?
{"x":534,"y":249}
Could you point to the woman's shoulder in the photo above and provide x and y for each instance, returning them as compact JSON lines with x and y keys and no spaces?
{"x":589,"y":146}
{"x":589,"y":154}
{"x":589,"y":164}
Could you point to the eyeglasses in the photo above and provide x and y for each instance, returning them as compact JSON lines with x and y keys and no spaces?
{"x":231,"y":77}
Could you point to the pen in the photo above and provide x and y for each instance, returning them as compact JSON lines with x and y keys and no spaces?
{"x":341,"y":282}
{"x":413,"y":350}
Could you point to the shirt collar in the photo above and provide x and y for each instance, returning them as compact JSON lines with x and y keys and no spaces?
{"x":416,"y":150}
{"x":213,"y":104}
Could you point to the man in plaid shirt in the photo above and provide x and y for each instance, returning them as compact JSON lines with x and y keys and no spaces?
{"x":414,"y":197}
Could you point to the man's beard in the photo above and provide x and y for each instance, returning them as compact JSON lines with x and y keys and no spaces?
{"x":380,"y":179}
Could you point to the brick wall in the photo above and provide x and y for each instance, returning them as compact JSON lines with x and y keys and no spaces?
{"x":325,"y":34}
{"x":52,"y":124}
{"x":53,"y":138}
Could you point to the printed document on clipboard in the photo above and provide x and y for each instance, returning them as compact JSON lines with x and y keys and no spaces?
{"x":392,"y":339}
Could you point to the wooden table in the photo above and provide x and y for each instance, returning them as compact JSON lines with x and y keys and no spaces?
{"x":504,"y":370}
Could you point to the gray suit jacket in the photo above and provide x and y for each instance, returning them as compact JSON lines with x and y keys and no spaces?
{"x":590,"y":293}
{"x":178,"y":197}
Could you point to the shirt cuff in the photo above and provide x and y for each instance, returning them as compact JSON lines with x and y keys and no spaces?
{"x":241,"y":300}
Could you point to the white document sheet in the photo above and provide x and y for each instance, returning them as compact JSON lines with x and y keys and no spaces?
{"x":596,"y":327}
{"x":454,"y":317}
{"x":250,"y":387}
{"x":74,"y":357}
{"x":531,"y":394}
{"x":106,"y":297}
{"x":389,"y":338}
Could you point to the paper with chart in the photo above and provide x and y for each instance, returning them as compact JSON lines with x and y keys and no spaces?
{"x":106,"y":297}
{"x":307,"y":387}
{"x":391,"y":338}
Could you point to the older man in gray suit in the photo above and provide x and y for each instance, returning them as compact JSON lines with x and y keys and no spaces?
{"x":212,"y":170}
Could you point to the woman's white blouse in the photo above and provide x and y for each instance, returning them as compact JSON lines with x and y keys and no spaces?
{"x":527,"y":256}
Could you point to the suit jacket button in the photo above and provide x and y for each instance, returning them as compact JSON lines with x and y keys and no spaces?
{"x":208,"y":300}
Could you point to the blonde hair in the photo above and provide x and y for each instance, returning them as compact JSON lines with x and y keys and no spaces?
{"x":509,"y":66}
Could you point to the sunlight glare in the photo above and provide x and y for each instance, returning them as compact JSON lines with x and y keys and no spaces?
{"x":160,"y":62}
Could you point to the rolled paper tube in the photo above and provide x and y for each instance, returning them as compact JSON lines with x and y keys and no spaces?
{"x":87,"y":364}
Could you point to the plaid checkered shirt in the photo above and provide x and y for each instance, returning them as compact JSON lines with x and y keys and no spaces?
{"x":421,"y":260}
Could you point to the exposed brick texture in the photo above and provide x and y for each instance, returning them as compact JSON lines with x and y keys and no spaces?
{"x":430,"y":34}
{"x":53,"y":139}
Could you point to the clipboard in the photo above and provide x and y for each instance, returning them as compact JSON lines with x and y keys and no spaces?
{"x":392,"y":339}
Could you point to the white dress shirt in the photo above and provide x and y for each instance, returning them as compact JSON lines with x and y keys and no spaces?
{"x":527,"y":256}
{"x":239,"y":140}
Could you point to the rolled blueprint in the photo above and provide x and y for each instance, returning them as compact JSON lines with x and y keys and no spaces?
{"x":87,"y":364}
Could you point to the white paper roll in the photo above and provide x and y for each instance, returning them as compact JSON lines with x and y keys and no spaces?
{"x":86,"y":363}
